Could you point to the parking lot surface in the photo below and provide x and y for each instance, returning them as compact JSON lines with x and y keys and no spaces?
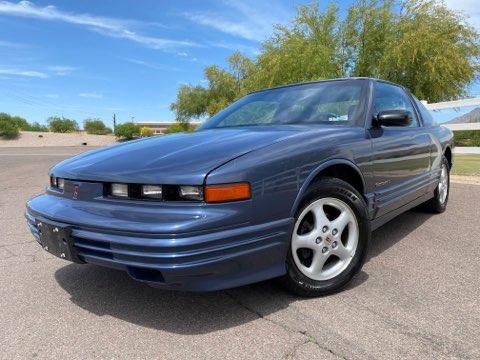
{"x":417,"y":296}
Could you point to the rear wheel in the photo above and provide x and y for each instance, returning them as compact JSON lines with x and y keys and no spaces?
{"x":438,"y":203}
{"x":329,"y":240}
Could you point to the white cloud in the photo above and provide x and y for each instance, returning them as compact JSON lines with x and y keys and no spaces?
{"x":92,"y":95}
{"x":61,"y":70}
{"x":182,"y":54}
{"x":117,"y":28}
{"x":26,"y":73}
{"x":470,"y":8}
{"x":251,"y":20}
{"x":152,"y":66}
{"x":11,"y":44}
{"x":237,"y":47}
{"x":52,"y":96}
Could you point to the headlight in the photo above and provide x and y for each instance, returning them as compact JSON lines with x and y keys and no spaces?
{"x":119,"y":190}
{"x":60,"y":183}
{"x":189,"y":192}
{"x":57,"y":183}
{"x":152,"y":191}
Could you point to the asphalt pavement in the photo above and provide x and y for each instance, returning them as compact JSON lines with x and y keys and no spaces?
{"x":417,"y":296}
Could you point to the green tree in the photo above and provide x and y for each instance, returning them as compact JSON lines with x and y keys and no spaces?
{"x":223,"y":87}
{"x":435,"y":52}
{"x":127,"y":131}
{"x":37,"y":127}
{"x":180,"y":127}
{"x":146,"y":132}
{"x":96,"y":127}
{"x":62,"y":124}
{"x":306,"y":50}
{"x":420,"y":44}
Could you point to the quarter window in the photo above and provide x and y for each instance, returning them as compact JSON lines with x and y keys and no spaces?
{"x":426,"y":115}
{"x":391,"y":97}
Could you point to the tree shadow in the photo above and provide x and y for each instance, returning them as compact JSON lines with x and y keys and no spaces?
{"x":104,"y":291}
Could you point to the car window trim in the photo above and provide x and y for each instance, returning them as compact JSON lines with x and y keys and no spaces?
{"x":409,"y":97}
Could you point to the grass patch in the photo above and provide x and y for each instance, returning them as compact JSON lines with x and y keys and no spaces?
{"x":466,"y":164}
{"x":466,"y":137}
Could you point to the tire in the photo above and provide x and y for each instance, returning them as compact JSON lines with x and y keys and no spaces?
{"x":438,"y":203}
{"x":329,"y":270}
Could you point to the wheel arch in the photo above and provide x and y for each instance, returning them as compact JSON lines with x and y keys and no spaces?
{"x":342,"y":169}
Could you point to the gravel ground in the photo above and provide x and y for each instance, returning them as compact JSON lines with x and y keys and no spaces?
{"x":41,"y":139}
{"x":417,"y":296}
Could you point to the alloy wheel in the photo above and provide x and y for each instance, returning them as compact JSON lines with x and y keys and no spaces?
{"x":443,"y":185}
{"x":325,"y":238}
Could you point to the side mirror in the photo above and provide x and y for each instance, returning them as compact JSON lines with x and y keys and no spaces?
{"x":394,"y":118}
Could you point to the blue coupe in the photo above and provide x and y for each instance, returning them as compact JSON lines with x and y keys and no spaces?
{"x":286,"y":182}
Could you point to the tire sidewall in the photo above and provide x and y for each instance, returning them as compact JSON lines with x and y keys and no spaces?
{"x":441,"y":207}
{"x":330,"y":187}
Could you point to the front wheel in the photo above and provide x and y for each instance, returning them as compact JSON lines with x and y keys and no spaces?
{"x":329,"y":240}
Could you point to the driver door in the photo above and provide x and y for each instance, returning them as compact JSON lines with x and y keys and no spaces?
{"x":401,"y":154}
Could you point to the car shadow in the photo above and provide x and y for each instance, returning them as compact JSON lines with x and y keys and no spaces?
{"x":394,"y":231}
{"x":104,"y":291}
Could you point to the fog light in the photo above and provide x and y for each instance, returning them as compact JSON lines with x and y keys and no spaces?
{"x":152,"y":191}
{"x":189,"y":192}
{"x":120,"y":190}
{"x":60,"y":183}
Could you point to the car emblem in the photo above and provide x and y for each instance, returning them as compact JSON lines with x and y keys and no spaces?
{"x":76,"y":191}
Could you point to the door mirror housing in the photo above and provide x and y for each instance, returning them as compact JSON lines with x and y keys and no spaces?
{"x":393,"y":118}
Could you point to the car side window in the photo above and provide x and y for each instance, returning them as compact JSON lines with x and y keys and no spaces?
{"x":391,"y":97}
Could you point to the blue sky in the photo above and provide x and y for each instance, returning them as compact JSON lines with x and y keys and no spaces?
{"x":92,"y":58}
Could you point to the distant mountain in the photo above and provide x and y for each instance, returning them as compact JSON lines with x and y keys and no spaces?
{"x":470,"y":117}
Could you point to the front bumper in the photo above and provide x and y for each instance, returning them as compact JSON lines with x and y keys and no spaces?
{"x":200,"y":260}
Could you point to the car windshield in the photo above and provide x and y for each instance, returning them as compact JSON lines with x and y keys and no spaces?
{"x":322,"y":103}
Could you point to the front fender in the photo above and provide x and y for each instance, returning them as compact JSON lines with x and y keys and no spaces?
{"x":324,"y":165}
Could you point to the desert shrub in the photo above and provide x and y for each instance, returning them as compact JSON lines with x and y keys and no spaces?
{"x":37,"y":127}
{"x":466,"y":137}
{"x":20,"y":122}
{"x":9,"y":126}
{"x":62,"y":125}
{"x":8,"y":129}
{"x":127,"y":131}
{"x":179,"y":127}
{"x":96,"y":127}
{"x":146,"y":131}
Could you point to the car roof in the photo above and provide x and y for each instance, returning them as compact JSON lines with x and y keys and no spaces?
{"x":327,"y":80}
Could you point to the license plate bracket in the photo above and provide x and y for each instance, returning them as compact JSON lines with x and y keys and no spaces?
{"x":57,"y":240}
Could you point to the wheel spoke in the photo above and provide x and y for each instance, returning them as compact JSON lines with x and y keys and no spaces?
{"x":304,"y":241}
{"x":321,"y":219}
{"x":342,"y":252}
{"x":341,"y":221}
{"x":318,"y":261}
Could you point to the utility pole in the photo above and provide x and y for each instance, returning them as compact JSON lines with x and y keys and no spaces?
{"x":114,"y":122}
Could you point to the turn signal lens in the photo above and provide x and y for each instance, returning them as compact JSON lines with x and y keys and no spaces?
{"x":227,"y":192}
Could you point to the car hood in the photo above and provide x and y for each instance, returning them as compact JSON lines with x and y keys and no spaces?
{"x":184,"y":158}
